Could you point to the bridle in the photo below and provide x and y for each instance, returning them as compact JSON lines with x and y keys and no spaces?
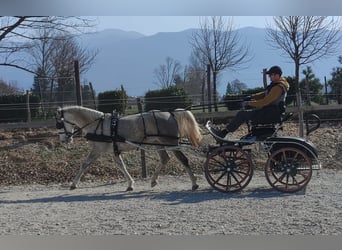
{"x":60,"y":125}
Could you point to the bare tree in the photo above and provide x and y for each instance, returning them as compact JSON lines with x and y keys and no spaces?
{"x":304,"y":39}
{"x":65,"y":50}
{"x":221,"y":45}
{"x":9,"y":88}
{"x":197,"y":73}
{"x":166,"y":73}
{"x":17,"y":32}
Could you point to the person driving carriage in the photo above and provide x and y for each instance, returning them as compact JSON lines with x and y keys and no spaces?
{"x":268,"y":105}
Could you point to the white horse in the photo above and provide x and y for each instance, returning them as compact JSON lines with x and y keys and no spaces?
{"x":106,"y":133}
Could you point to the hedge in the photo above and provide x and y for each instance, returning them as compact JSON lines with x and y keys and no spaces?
{"x":167,"y":99}
{"x":13,"y":108}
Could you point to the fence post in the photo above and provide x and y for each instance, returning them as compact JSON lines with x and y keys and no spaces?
{"x":326,"y":90}
{"x":264,"y":78}
{"x":142,"y":152}
{"x":209,"y":88}
{"x":92,"y":94}
{"x":78,"y":84}
{"x":28,"y":106}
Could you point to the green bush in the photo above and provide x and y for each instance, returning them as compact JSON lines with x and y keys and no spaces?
{"x":167,"y":99}
{"x":13,"y":108}
{"x":112,"y":100}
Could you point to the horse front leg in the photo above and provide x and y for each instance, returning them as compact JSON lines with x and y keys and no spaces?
{"x":184,"y":160}
{"x":123,"y":169}
{"x":92,"y":156}
{"x":164,"y":158}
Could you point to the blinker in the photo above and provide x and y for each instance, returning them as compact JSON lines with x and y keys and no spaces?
{"x":59,"y":125}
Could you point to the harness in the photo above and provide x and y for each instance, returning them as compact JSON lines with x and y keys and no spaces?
{"x":114,"y":137}
{"x":158,"y":134}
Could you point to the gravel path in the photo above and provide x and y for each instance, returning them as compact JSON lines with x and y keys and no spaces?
{"x":172,"y":209}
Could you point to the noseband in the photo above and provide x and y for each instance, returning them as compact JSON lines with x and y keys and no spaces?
{"x":60,"y":125}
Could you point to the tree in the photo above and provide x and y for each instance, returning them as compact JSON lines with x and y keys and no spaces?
{"x":197,"y":74}
{"x":220,"y":45}
{"x":167,"y":72}
{"x":192,"y":81}
{"x":65,"y":50}
{"x":312,"y":86}
{"x":236,"y":87}
{"x":304,"y":39}
{"x":18,"y":32}
{"x":8,"y":88}
{"x":336,"y":82}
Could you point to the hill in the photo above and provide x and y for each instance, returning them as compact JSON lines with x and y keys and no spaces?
{"x":129,"y":58}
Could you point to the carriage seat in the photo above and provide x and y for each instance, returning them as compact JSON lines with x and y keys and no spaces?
{"x":264,"y":130}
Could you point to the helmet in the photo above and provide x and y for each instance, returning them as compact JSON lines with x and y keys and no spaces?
{"x":274,"y":69}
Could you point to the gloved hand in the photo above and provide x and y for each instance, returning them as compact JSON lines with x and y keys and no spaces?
{"x":247,"y":98}
{"x":244,"y":104}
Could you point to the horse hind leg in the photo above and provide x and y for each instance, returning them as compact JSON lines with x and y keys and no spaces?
{"x":123,"y":169}
{"x":184,"y":160}
{"x":164,"y":158}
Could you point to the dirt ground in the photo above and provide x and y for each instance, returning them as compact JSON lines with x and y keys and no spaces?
{"x":35,"y":156}
{"x":35,"y":171}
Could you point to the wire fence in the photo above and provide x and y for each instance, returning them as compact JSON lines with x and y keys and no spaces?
{"x":45,"y":109}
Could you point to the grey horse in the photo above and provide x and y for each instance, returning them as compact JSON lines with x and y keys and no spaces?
{"x":106,"y":133}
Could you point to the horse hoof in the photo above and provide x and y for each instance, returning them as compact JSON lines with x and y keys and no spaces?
{"x":72,"y":187}
{"x":154,"y":184}
{"x":129,"y":189}
{"x":194,"y":187}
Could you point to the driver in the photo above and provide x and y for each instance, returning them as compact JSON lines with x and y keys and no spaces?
{"x":269,"y":105}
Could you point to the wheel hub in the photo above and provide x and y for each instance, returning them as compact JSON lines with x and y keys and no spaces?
{"x":230,"y":166}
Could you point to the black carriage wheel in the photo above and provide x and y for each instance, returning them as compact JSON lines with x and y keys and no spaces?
{"x":288,"y":170}
{"x":228,"y":169}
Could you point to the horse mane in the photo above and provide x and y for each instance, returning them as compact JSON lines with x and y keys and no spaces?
{"x":83,"y":112}
{"x":188,"y":126}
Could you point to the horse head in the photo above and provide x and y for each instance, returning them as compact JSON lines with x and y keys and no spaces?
{"x":65,"y":127}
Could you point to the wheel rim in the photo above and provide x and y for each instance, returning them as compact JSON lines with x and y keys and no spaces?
{"x":228,"y":169}
{"x":288,"y":170}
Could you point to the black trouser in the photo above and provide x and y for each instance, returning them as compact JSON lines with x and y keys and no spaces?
{"x":265,"y":115}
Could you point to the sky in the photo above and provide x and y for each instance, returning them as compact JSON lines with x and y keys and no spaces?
{"x":149,"y":25}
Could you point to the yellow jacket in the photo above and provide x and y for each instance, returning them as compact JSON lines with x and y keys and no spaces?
{"x":271,"y":95}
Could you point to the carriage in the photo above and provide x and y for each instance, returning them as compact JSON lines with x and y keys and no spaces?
{"x":228,"y":166}
{"x":289,"y":165}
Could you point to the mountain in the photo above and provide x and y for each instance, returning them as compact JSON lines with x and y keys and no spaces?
{"x":129,"y":59}
{"x":132,"y":62}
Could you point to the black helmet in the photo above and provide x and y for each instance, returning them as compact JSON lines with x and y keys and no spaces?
{"x":274,"y":69}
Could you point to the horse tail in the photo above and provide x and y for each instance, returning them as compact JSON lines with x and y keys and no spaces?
{"x":188,"y":126}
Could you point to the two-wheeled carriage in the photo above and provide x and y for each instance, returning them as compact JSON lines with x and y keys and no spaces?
{"x":288,"y":168}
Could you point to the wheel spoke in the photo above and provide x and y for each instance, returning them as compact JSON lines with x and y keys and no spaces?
{"x":228,"y":169}
{"x":288,"y":169}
